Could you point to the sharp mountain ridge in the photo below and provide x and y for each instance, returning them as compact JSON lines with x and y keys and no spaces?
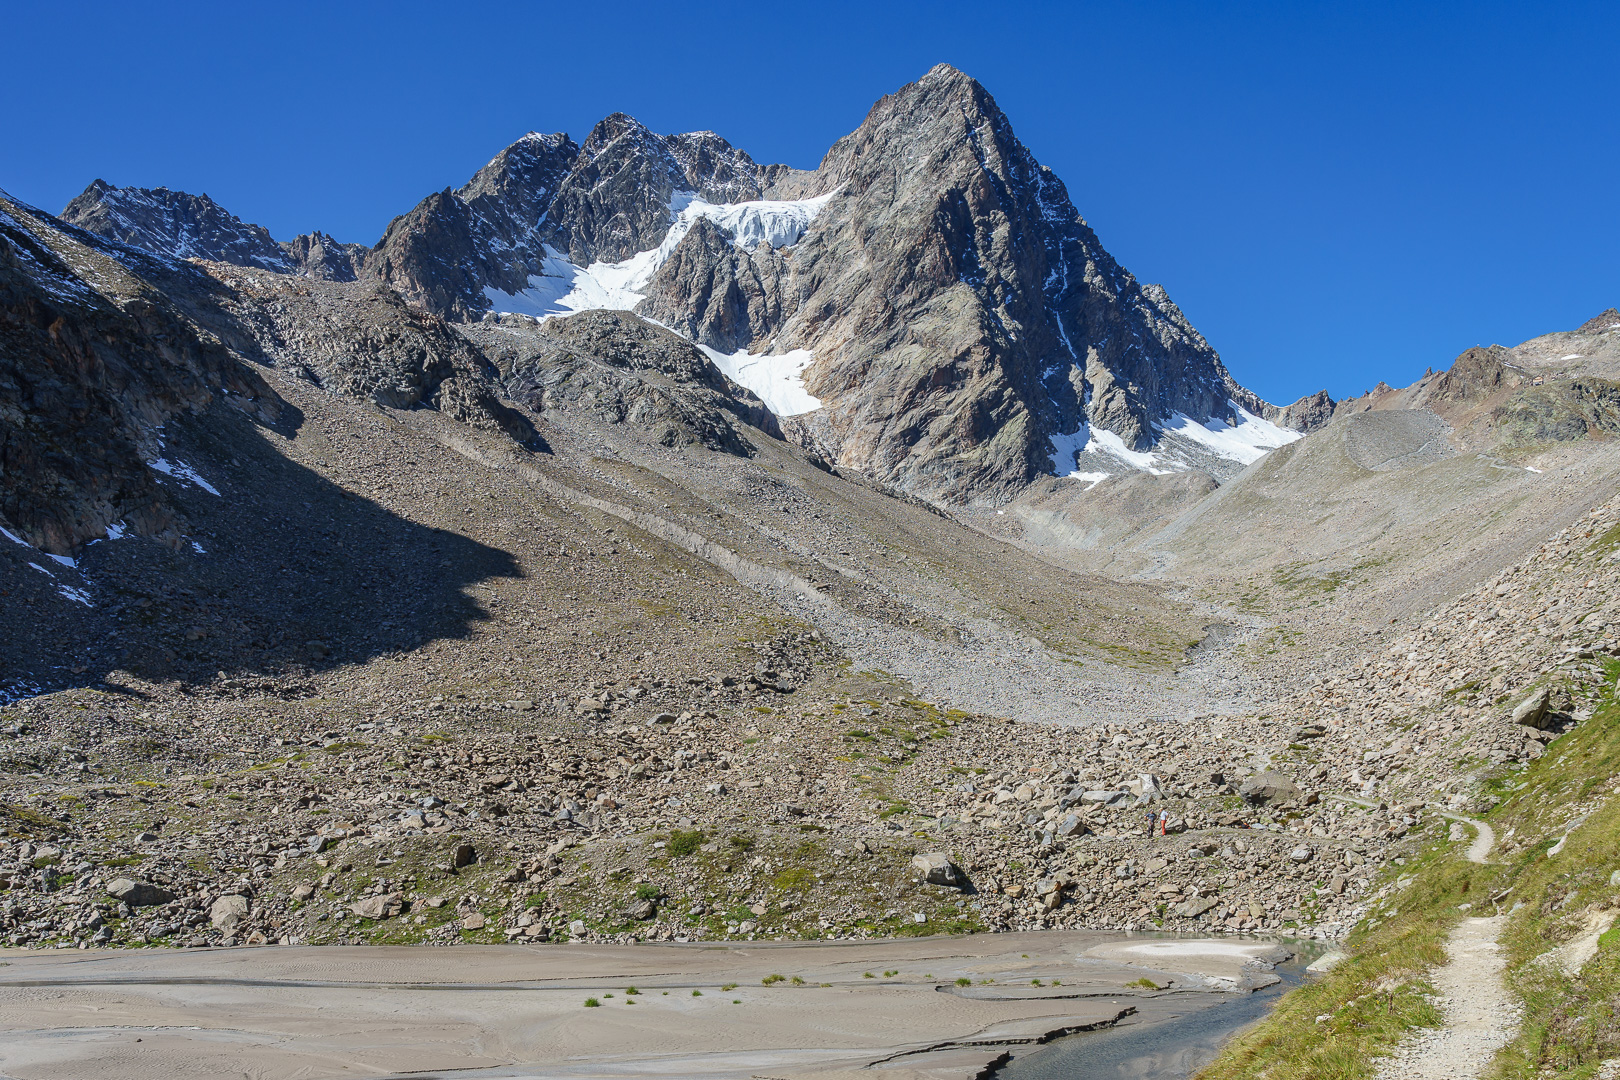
{"x":927,"y":306}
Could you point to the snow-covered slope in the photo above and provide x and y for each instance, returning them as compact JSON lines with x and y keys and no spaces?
{"x":1216,"y":445}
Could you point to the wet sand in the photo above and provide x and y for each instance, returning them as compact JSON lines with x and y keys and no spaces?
{"x":516,"y":1011}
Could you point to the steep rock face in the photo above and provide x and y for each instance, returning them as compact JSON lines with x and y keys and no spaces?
{"x":601,"y":201}
{"x":1308,"y":413}
{"x":438,"y":257}
{"x":94,"y":358}
{"x":960,"y":311}
{"x":713,"y":291}
{"x":453,"y":244}
{"x":617,"y":198}
{"x":318,"y":255}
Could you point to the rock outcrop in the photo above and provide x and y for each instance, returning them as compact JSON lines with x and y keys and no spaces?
{"x":618,"y":368}
{"x":94,"y":358}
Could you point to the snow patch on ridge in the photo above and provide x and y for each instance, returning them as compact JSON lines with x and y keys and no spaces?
{"x":1064,"y":449}
{"x":776,"y":379}
{"x":566,"y":289}
{"x":1245,"y":443}
{"x":1104,"y":441}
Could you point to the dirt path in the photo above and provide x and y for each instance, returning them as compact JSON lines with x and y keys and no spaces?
{"x":1484,"y":837}
{"x":1479,"y":1015}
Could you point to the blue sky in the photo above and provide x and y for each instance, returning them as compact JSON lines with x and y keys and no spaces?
{"x":1334,"y":193}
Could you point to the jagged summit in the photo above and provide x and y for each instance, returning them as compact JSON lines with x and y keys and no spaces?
{"x":186,"y":226}
{"x":927,"y":306}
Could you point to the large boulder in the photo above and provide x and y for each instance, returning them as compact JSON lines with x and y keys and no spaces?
{"x":1070,"y":825}
{"x":139,"y":893}
{"x":1535,"y":710}
{"x":1269,"y":787}
{"x":228,"y":912}
{"x":936,"y":868}
{"x":385,"y":906}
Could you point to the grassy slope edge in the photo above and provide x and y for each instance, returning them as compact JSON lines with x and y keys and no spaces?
{"x":1335,"y":1027}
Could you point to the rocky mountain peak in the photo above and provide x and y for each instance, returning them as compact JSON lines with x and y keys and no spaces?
{"x":618,"y":198}
{"x":991,"y":338}
{"x":176,"y":224}
{"x":1603,"y":320}
{"x":180,"y":225}
{"x":988,"y":340}
{"x":519,"y":183}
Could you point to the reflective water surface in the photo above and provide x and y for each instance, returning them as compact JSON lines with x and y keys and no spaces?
{"x":1170,"y":1048}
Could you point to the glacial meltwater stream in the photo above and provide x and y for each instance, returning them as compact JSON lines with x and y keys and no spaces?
{"x":1163,"y":1047}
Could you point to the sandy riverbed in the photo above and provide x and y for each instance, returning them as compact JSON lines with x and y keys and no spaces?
{"x":513,"y":1011}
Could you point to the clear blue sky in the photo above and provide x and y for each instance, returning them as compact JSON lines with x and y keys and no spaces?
{"x":1334,"y":193}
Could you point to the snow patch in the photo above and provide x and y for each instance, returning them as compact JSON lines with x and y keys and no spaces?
{"x":776,"y":379}
{"x":76,"y":595}
{"x":198,"y":548}
{"x":117,"y":530}
{"x":1064,"y":448}
{"x":42,"y":570}
{"x":1245,"y":442}
{"x":779,"y":223}
{"x":64,"y":560}
{"x":13,"y":537}
{"x":1092,"y":479}
{"x":182,"y":472}
{"x":1104,"y":441}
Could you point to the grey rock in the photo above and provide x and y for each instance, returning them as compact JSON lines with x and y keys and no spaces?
{"x":94,"y":331}
{"x":1300,"y":854}
{"x":139,"y":893}
{"x":174,"y":223}
{"x":185,"y":226}
{"x":228,"y":912}
{"x":936,"y":868}
{"x":1535,"y":709}
{"x":1197,"y":906}
{"x":615,"y":367}
{"x":1269,"y":787}
{"x":385,"y":906}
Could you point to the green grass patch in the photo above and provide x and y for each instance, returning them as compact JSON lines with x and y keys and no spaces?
{"x":1337,"y":1027}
